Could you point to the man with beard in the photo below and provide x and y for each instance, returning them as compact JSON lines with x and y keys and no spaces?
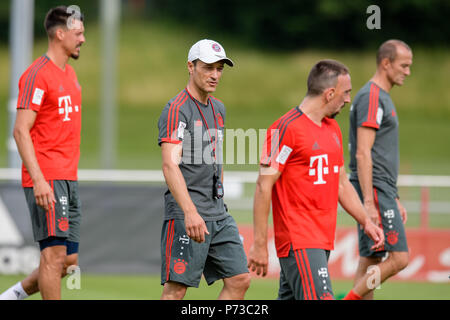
{"x":302,"y":173}
{"x":47,"y":132}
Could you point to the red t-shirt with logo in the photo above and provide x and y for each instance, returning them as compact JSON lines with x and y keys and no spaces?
{"x":55,"y":95}
{"x":305,"y":196}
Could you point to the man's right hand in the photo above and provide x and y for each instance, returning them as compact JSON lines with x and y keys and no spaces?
{"x":44,"y":194}
{"x":195,"y":227}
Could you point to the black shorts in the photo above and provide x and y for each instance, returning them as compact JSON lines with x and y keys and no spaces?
{"x":304,"y":275}
{"x":391,"y":223}
{"x":184,"y":261}
{"x":63,"y":220}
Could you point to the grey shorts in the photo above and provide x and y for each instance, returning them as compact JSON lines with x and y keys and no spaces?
{"x":391,"y":223}
{"x":63,"y":219}
{"x":184,"y":261}
{"x":304,"y":275}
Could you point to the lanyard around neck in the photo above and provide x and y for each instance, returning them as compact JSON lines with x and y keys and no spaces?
{"x":206,"y":123}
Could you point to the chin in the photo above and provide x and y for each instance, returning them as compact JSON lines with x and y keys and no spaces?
{"x":333,"y":115}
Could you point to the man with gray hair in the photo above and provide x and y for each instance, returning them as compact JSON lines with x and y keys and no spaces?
{"x":374,"y":162}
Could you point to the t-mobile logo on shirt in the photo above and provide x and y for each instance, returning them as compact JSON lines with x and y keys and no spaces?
{"x":65,"y":107}
{"x":318,"y":168}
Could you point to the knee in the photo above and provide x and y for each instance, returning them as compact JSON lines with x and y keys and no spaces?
{"x":239,"y":283}
{"x":71,"y":260}
{"x":53,"y":258}
{"x":173,"y":291}
{"x":399,"y":260}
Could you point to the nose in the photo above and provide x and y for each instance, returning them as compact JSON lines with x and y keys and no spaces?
{"x":407,"y":72}
{"x":348,"y":99}
{"x":214,"y":74}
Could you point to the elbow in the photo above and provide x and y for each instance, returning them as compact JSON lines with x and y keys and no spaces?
{"x":18,"y":133}
{"x":168,"y":166}
{"x":165,"y":168}
{"x":362,"y":156}
{"x":263,"y":187}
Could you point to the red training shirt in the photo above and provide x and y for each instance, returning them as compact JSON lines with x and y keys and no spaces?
{"x":305,"y":196}
{"x":55,"y":95}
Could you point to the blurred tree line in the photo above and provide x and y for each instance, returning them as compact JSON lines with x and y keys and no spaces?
{"x":290,"y":24}
{"x":283,"y":24}
{"x":89,"y":8}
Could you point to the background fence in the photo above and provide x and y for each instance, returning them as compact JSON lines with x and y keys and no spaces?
{"x":123,"y":213}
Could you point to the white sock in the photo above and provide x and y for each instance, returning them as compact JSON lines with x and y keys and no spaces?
{"x":16,"y":292}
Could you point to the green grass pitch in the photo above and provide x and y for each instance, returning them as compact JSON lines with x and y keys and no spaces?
{"x":147,"y":287}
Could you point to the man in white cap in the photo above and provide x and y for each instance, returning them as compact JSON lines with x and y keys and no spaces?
{"x":199,"y":236}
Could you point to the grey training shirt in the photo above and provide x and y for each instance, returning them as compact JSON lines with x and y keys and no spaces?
{"x":373,"y":107}
{"x":182,"y":122}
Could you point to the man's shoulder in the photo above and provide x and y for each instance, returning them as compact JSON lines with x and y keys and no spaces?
{"x":216,"y":101}
{"x":218,"y":104}
{"x":363,"y":92}
{"x":179,"y":102}
{"x":288,"y":119}
{"x":37,"y":68}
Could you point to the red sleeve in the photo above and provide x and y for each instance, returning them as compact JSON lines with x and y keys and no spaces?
{"x":278,"y":146}
{"x":32,"y":90}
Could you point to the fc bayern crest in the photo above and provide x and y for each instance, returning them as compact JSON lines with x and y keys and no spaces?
{"x":216,"y":47}
{"x":220,"y":120}
{"x":392,"y":237}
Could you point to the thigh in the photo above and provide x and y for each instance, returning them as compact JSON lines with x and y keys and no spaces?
{"x":306,"y":271}
{"x":364,"y":242}
{"x":75,"y":214}
{"x":53,"y":222}
{"x":182,"y":259}
{"x":391,"y":220}
{"x":289,"y":279}
{"x":226,"y":255}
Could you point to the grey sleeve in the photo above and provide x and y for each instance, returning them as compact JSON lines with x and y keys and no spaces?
{"x":369,"y":111}
{"x":171,"y":125}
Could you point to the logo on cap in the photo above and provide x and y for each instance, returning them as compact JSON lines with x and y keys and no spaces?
{"x":216,"y":47}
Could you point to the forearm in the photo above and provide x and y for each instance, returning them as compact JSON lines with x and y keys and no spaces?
{"x":27,"y":153}
{"x":261,"y":210}
{"x":350,"y":202}
{"x":364,"y":167}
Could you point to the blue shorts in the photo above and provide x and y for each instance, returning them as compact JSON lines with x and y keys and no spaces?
{"x":72,"y":247}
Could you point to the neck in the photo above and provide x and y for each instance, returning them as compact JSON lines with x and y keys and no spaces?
{"x":197,"y":93}
{"x":313,"y":108}
{"x":58,"y":56}
{"x":382,"y":81}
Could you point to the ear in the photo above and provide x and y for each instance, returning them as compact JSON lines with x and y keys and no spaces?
{"x":328,"y":94}
{"x":60,"y":34}
{"x":191,"y":67}
{"x":385,"y":63}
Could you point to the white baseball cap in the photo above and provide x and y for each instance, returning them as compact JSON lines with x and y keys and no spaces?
{"x":208,"y":51}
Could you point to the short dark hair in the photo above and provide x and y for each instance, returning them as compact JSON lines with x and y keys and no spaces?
{"x":389,"y":50}
{"x":323,"y":75}
{"x":57,"y":17}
